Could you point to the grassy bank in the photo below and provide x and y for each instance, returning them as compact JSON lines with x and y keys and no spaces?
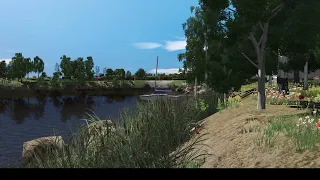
{"x":151,"y":137}
{"x":31,"y":87}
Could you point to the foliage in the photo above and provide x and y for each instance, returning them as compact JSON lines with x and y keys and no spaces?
{"x":141,"y":73}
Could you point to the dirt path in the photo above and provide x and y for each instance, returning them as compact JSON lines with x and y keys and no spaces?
{"x":231,"y":143}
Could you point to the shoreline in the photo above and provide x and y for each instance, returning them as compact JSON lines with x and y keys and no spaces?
{"x":22,"y":92}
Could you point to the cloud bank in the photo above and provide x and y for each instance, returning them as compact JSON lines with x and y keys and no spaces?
{"x":168,"y":45}
{"x":166,"y":71}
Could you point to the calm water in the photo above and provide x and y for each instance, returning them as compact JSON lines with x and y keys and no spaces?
{"x":26,"y":119}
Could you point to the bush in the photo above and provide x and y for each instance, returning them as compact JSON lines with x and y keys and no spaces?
{"x":153,"y":136}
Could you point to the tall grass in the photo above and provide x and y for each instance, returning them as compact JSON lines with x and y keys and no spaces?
{"x":153,"y":136}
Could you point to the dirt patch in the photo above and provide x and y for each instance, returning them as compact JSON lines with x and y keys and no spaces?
{"x":232,"y":140}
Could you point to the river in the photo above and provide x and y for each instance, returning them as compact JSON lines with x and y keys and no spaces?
{"x":26,"y":119}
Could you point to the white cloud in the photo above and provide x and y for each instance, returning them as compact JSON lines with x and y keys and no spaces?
{"x":166,"y":71}
{"x":147,"y":45}
{"x":6,"y":60}
{"x":175,"y":45}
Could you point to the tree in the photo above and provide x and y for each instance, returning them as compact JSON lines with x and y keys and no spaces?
{"x":128,"y":74}
{"x":141,"y":73}
{"x":3,"y":69}
{"x":231,"y":29}
{"x":79,"y":69}
{"x":109,"y":72}
{"x":18,"y":67}
{"x":97,"y":70}
{"x":88,"y":67}
{"x":38,"y":65}
{"x":57,"y":67}
{"x":28,"y":66}
{"x":66,"y":66}
{"x":119,"y":73}
{"x":43,"y":74}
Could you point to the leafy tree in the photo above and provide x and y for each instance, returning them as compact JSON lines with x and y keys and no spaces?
{"x":109,"y":72}
{"x":251,"y":29}
{"x":79,"y":69}
{"x":3,"y":69}
{"x":88,"y":67}
{"x":38,"y":65}
{"x":66,"y":66}
{"x":119,"y":73}
{"x":43,"y":74}
{"x":141,"y":73}
{"x":18,"y":67}
{"x":28,"y":66}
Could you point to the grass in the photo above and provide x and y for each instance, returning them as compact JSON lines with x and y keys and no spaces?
{"x":300,"y":128}
{"x":154,"y":136}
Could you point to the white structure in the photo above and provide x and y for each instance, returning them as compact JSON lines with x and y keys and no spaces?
{"x":290,"y":74}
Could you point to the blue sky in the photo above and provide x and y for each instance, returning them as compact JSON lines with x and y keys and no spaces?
{"x":118,"y":33}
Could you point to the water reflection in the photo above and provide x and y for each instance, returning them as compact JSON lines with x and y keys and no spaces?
{"x":20,"y":109}
{"x":23,"y":119}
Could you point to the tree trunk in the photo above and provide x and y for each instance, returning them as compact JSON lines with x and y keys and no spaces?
{"x":261,"y":87}
{"x":270,"y":80}
{"x":38,"y":74}
{"x":305,"y":83}
{"x":296,"y":76}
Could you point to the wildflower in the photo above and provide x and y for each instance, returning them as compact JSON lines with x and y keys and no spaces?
{"x":318,"y":124}
{"x":314,"y":112}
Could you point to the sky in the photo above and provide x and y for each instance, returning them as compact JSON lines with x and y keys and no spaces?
{"x":127,"y":34}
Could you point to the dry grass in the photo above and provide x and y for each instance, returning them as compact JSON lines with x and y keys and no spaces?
{"x":239,"y":137}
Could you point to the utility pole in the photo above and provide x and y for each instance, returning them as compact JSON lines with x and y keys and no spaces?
{"x":155,"y":79}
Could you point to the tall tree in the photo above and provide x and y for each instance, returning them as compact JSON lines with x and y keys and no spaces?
{"x":3,"y":69}
{"x":79,"y":69}
{"x":18,"y":67}
{"x":66,"y":66}
{"x":89,"y":64}
{"x":38,"y":65}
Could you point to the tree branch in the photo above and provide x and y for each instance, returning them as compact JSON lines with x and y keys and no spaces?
{"x":276,"y":10}
{"x":261,"y":26}
{"x":255,"y":43}
{"x":249,"y":60}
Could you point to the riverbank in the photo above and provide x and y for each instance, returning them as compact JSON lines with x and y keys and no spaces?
{"x":29,"y":88}
{"x":151,"y":136}
{"x":244,"y":137}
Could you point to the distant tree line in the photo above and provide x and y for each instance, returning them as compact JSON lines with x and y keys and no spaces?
{"x":78,"y":69}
